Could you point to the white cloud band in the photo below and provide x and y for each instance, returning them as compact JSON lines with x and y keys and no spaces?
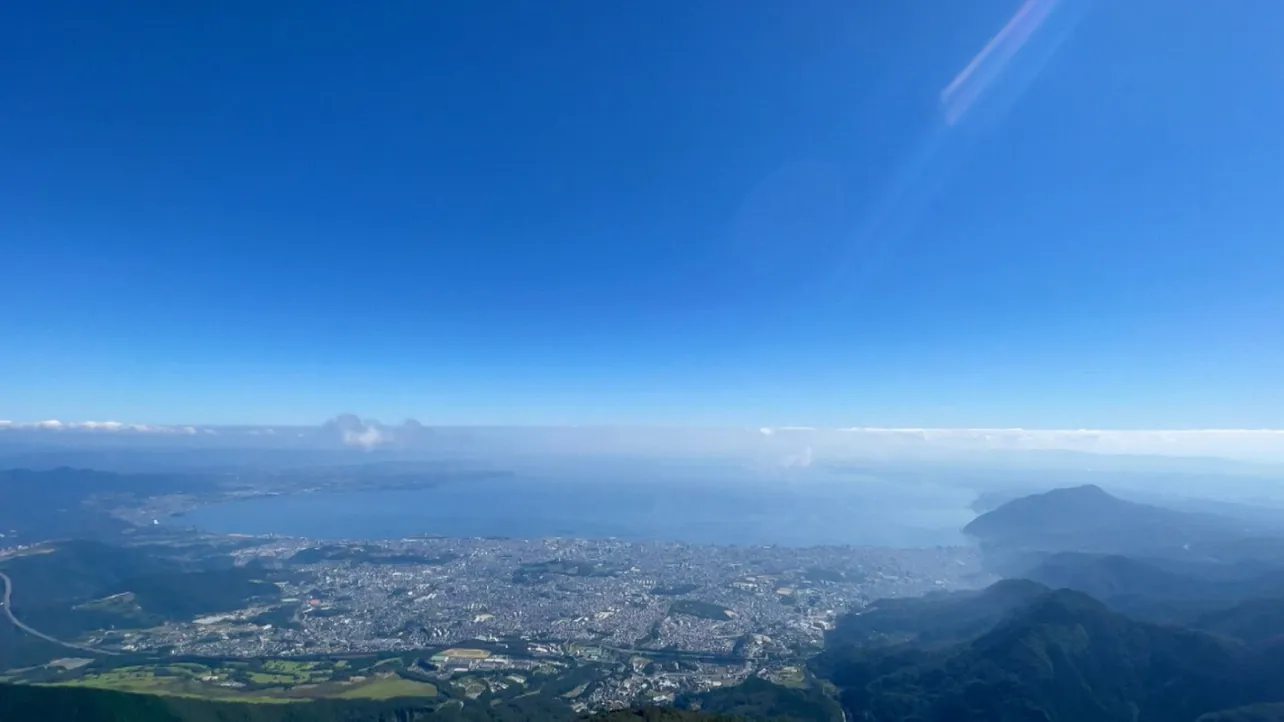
{"x":108,"y":426}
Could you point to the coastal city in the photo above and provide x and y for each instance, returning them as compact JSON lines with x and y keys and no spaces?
{"x":661,"y":617}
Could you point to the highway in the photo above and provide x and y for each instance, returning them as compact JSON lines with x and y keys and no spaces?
{"x":8,"y":612}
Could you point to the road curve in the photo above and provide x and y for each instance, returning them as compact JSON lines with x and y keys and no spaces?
{"x":8,"y":612}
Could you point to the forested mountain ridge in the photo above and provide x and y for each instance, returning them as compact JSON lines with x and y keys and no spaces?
{"x":1063,"y":657}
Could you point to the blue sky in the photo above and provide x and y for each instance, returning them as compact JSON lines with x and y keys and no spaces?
{"x":669,"y":212}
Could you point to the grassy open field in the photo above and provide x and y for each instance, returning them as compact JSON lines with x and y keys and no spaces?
{"x":791,"y":677}
{"x":464,"y":653}
{"x":274,"y":681}
{"x":138,"y":680}
{"x":389,"y":687}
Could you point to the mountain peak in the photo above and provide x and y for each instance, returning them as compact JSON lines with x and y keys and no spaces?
{"x":1084,"y":491}
{"x":1067,"y":603}
{"x":1056,"y":608}
{"x":1085,"y":502}
{"x":1087,"y":496}
{"x":1089,"y":519}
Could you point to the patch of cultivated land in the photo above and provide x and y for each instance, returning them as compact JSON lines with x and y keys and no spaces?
{"x":389,"y":687}
{"x":274,"y":681}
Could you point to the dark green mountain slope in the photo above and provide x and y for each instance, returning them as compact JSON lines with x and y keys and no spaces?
{"x":73,"y":571}
{"x":758,"y":700}
{"x":1062,"y":658}
{"x":70,"y":588}
{"x":1255,"y":621}
{"x":1157,"y":590}
{"x":181,"y":595}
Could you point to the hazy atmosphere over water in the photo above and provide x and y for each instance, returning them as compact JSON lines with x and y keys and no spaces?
{"x":790,"y":486}
{"x":789,"y":445}
{"x":716,"y":508}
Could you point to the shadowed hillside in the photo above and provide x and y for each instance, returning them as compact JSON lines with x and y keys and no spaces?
{"x":933,"y":618}
{"x":1063,"y":656}
{"x":1155,"y":589}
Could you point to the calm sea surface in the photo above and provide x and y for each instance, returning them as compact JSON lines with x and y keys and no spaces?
{"x":713,"y":512}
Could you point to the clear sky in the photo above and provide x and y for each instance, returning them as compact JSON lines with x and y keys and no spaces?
{"x":672,"y":212}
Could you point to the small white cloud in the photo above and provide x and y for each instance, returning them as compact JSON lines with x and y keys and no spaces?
{"x":98,"y":426}
{"x":368,"y":437}
{"x":352,"y":430}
